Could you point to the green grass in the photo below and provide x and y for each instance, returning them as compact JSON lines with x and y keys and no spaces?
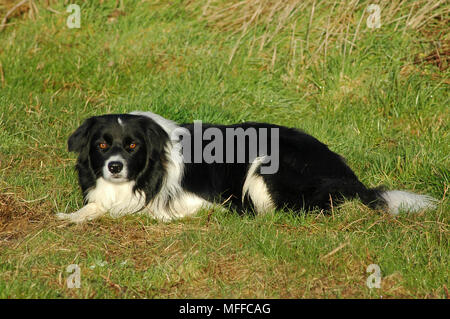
{"x":385,"y":113}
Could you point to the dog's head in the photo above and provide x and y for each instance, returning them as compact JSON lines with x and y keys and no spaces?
{"x":118,"y":148}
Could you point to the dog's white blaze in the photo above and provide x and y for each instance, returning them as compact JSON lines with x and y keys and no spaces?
{"x":256,"y":188}
{"x":119,"y":120}
{"x":406,"y":201}
{"x":116,"y":198}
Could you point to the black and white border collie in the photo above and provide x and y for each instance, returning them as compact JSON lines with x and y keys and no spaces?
{"x":130,"y":163}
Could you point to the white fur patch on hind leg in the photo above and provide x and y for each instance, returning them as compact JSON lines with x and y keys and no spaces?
{"x":256,"y":189}
{"x":89,"y":212}
{"x":398,"y":201}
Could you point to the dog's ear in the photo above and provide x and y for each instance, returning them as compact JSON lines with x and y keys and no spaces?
{"x":151,"y":177}
{"x":80,"y":138}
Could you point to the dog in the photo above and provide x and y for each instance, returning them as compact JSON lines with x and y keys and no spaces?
{"x":141,"y":163}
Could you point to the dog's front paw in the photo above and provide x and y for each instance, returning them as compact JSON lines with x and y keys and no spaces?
{"x":62,"y":216}
{"x":73,"y":217}
{"x":88,"y":212}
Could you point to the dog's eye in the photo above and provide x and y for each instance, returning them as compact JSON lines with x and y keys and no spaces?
{"x":103,"y":146}
{"x":132,"y":146}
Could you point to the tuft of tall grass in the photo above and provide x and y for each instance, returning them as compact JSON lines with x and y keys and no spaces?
{"x":305,"y":31}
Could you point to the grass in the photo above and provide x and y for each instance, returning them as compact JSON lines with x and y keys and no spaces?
{"x":378,"y":96}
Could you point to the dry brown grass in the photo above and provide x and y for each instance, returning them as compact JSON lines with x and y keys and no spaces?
{"x":310,"y":28}
{"x":11,"y":9}
{"x":242,"y":16}
{"x":19,"y":219}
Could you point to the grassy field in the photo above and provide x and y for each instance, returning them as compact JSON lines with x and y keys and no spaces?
{"x":378,"y":96}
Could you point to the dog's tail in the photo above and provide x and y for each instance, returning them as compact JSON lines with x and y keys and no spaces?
{"x":396,"y":201}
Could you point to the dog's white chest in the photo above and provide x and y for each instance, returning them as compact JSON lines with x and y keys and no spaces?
{"x":117,"y":198}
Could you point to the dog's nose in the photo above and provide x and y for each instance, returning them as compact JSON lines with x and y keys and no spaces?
{"x":115,"y":167}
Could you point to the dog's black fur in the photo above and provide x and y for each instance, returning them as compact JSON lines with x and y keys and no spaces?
{"x":310,"y":175}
